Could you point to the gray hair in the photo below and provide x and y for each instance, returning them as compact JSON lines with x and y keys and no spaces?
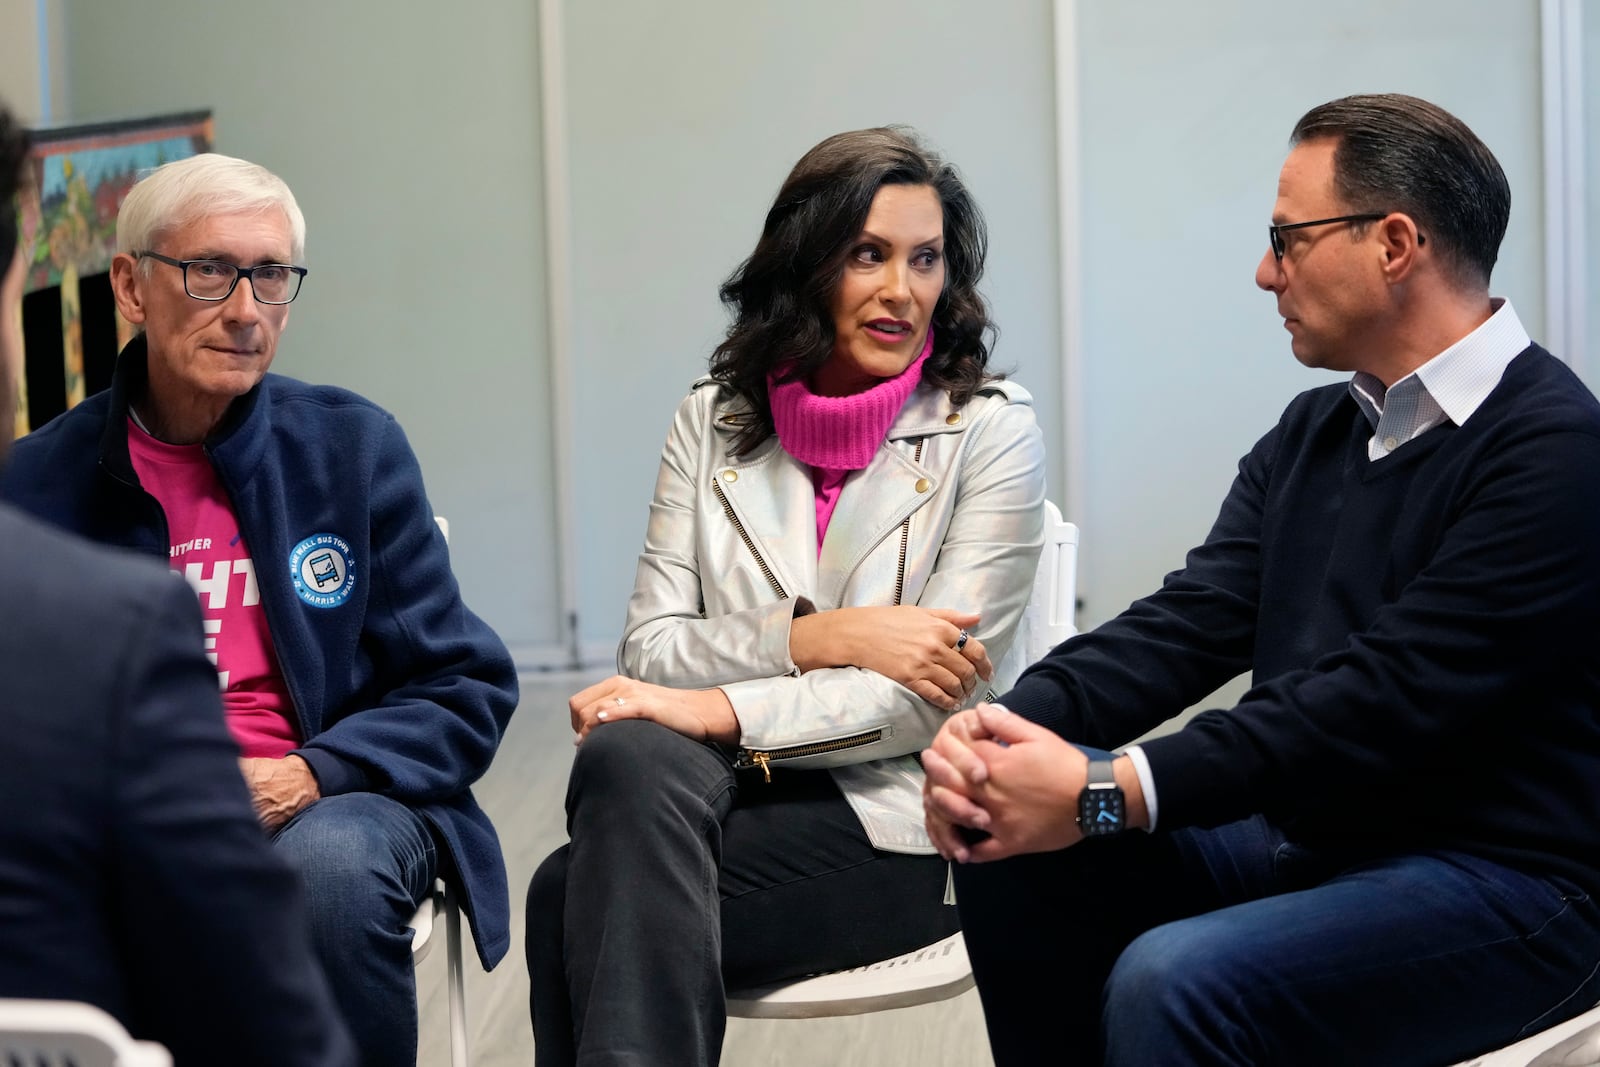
{"x":176,"y":194}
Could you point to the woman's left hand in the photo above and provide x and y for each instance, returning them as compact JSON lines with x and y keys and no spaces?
{"x":702,"y":714}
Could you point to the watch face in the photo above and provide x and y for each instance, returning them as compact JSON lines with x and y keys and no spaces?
{"x":1100,"y":812}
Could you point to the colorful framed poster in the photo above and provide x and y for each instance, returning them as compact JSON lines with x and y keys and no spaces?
{"x":80,"y":173}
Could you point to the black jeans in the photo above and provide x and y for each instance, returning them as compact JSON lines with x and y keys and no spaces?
{"x":680,"y":874}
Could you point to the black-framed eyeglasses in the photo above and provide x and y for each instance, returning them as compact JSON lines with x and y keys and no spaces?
{"x":1275,"y":233}
{"x":214,"y":279}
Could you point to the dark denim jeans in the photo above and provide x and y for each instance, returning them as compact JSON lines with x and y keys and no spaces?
{"x":366,"y":861}
{"x":680,"y":873}
{"x":1234,"y":946}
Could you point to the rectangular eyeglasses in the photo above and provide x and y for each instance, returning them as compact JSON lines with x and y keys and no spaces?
{"x":214,"y":279}
{"x":1275,"y":233}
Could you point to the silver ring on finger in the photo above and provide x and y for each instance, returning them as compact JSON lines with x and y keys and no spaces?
{"x":961,"y":641}
{"x":620,"y":702}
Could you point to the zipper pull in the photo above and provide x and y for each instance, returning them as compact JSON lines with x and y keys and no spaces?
{"x":763,"y":760}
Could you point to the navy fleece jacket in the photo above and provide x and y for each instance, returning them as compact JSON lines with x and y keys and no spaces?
{"x":399,"y":688}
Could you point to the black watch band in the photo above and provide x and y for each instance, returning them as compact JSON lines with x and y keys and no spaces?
{"x":1101,"y":809}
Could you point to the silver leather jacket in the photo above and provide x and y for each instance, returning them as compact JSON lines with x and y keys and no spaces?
{"x":949,"y":514}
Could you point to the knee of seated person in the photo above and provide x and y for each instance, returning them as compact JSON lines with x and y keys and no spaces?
{"x":547,"y":889}
{"x":335,"y":842}
{"x":1175,"y":967}
{"x":631,"y":753}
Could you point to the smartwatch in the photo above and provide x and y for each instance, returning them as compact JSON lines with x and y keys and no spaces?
{"x":1100,"y":805}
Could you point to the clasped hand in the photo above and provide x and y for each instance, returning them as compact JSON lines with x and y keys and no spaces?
{"x":912,"y":645}
{"x":992,"y":770}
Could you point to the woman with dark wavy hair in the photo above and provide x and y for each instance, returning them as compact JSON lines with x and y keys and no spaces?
{"x":780,"y":296}
{"x":843,"y":536}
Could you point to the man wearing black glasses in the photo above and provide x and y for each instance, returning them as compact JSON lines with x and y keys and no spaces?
{"x":363,"y":695}
{"x":1388,"y":852}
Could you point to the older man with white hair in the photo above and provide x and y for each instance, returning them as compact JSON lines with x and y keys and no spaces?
{"x":364,"y":696}
{"x":133,"y":876}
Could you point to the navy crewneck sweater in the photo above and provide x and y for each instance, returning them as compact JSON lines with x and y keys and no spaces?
{"x":1424,"y":632}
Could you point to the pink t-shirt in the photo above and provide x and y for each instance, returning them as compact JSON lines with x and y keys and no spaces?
{"x":208,"y":550}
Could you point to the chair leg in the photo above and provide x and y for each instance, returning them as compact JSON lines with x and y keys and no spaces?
{"x":455,"y":979}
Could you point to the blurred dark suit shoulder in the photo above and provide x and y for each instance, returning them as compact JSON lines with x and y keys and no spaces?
{"x":133,"y":874}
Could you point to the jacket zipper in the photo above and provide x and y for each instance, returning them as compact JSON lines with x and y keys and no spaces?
{"x":165,"y":531}
{"x":766,"y":571}
{"x":290,"y":682}
{"x":900,"y":575}
{"x":905,"y":540}
{"x":763,"y":758}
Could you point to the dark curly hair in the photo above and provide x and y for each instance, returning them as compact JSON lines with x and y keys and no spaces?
{"x":780,"y":296}
{"x":13,"y":147}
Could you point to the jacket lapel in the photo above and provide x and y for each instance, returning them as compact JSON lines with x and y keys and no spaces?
{"x":872,"y":505}
{"x":771,"y":494}
{"x":877,"y":500}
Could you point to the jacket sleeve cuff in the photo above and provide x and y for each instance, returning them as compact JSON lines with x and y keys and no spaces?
{"x":1041,"y":703}
{"x":751,"y":702}
{"x":334,"y":775}
{"x":769,"y":655}
{"x":1201,"y":784}
{"x":801,"y":606}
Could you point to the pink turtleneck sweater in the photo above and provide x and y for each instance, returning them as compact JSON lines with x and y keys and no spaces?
{"x":835,"y":435}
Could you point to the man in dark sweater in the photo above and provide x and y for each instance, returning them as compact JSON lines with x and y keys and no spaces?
{"x":1389,"y":850}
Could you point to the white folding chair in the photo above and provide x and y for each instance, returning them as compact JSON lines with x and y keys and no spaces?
{"x":1574,"y":1043}
{"x":940,"y":970}
{"x":442,"y":901}
{"x":67,"y":1033}
{"x":1047,"y":620}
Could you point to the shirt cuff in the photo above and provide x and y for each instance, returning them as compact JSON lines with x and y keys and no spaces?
{"x":1147,"y":782}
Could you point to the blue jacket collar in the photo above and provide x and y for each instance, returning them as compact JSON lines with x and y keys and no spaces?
{"x":242,"y":436}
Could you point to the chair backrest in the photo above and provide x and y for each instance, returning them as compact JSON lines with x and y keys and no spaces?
{"x":59,"y":1033}
{"x":1049,"y":617}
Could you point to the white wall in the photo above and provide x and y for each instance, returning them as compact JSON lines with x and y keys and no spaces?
{"x":20,"y":58}
{"x":1187,"y":109}
{"x":1589,"y":367}
{"x":410,"y":136}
